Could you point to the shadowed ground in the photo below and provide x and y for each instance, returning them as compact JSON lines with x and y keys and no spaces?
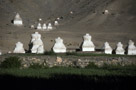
{"x":68,"y":82}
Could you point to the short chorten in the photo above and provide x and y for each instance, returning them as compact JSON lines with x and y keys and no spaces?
{"x":0,"y":52}
{"x":39,"y":27}
{"x":87,"y":43}
{"x":44,"y":27}
{"x":56,"y":23}
{"x":40,"y":19}
{"x":120,"y":50}
{"x":32,"y":26}
{"x":106,"y":12}
{"x":131,"y":48}
{"x":18,"y":20}
{"x":37,"y":44}
{"x":107,"y":48}
{"x":59,"y":46}
{"x":19,"y":48}
{"x":50,"y":26}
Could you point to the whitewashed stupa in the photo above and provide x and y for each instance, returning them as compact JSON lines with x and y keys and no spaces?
{"x":131,"y":48}
{"x":32,"y":26}
{"x":120,"y":50}
{"x":59,"y":46}
{"x":18,"y":20}
{"x":19,"y":48}
{"x":56,"y":23}
{"x":87,"y":43}
{"x":50,"y":26}
{"x":58,"y":18}
{"x":44,"y":27}
{"x":40,"y":19}
{"x":0,"y":52}
{"x":37,"y":43}
{"x":106,"y":11}
{"x":107,"y":48}
{"x":39,"y":27}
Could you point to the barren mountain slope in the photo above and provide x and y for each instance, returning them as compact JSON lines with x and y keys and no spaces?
{"x":87,"y":17}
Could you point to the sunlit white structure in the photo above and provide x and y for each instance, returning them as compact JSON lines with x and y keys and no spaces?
{"x":0,"y":52}
{"x":106,"y":11}
{"x":37,"y":44}
{"x":59,"y":46}
{"x":131,"y":48}
{"x":107,"y":48}
{"x":87,"y":43}
{"x":9,"y":52}
{"x":40,"y":19}
{"x":19,"y":48}
{"x":39,"y":27}
{"x":44,"y":27}
{"x":49,"y":26}
{"x":40,"y":49}
{"x":58,"y":18}
{"x":120,"y":50}
{"x":56,"y":23}
{"x":18,"y":20}
{"x":32,"y":26}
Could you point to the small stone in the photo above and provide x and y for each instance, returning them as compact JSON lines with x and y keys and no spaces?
{"x":59,"y":60}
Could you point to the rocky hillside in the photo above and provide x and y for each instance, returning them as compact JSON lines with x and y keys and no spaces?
{"x":87,"y":17}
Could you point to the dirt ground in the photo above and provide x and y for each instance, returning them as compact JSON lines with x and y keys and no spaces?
{"x":117,"y":26}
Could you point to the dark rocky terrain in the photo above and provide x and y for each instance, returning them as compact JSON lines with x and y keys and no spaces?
{"x":87,"y":17}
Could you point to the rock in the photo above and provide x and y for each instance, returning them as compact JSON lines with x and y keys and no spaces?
{"x":59,"y":60}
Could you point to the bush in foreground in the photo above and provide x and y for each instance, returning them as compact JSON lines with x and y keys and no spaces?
{"x":11,"y":62}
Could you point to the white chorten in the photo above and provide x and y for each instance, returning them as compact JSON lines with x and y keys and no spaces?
{"x":87,"y":43}
{"x":39,"y":27}
{"x":18,"y":20}
{"x":40,"y":49}
{"x":19,"y":48}
{"x":32,"y":26}
{"x":37,"y":43}
{"x":50,"y":26}
{"x":58,"y":18}
{"x":106,"y":11}
{"x":56,"y":23}
{"x":131,"y":48}
{"x":120,"y":50}
{"x":71,"y":12}
{"x":9,"y":52}
{"x":107,"y":48}
{"x":59,"y":46}
{"x":40,"y":19}
{"x":0,"y":52}
{"x":44,"y":27}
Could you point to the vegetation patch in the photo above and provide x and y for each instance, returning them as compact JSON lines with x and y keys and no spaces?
{"x":11,"y":62}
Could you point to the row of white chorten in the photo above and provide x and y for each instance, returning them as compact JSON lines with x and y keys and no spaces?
{"x":19,"y":22}
{"x":59,"y":47}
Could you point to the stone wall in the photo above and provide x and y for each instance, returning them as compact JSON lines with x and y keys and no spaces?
{"x":74,"y":61}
